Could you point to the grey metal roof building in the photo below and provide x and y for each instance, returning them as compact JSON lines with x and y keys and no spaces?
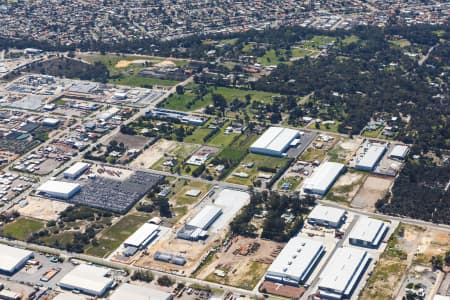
{"x":13,"y":259}
{"x":399,"y":152}
{"x":135,"y":292}
{"x":296,"y":261}
{"x":326,"y":216}
{"x":88,"y":279}
{"x":343,"y":272}
{"x":275,"y":141}
{"x":196,"y":228}
{"x":323,"y":178}
{"x":76,"y":170}
{"x":141,"y":237}
{"x":371,"y":157}
{"x":205,"y":217}
{"x":368,"y":232}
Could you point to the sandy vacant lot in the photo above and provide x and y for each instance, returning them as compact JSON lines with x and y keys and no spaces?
{"x":433,"y":243}
{"x":154,"y":153}
{"x":125,"y":63}
{"x":373,"y":189}
{"x":244,"y":260}
{"x":44,"y":209}
{"x":348,"y":185}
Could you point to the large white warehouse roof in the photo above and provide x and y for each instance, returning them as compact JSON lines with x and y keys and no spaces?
{"x":368,"y":231}
{"x":142,"y":236}
{"x":88,"y":279}
{"x":11,"y":259}
{"x":134,"y":292}
{"x":296,"y":261}
{"x":59,"y":188}
{"x":343,"y":271}
{"x":205,"y":217}
{"x":327,"y":214}
{"x":76,"y":169}
{"x":274,"y":141}
{"x":323,"y":178}
{"x":371,"y":157}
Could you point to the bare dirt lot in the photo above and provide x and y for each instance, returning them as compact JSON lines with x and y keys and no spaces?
{"x":347,"y":186}
{"x":241,"y":263}
{"x":373,"y":189}
{"x":344,"y":150}
{"x":154,"y":153}
{"x":192,"y":251}
{"x":44,"y":209}
{"x":130,"y":141}
{"x":433,"y":243}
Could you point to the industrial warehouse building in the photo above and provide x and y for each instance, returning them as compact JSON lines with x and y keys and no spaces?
{"x":323,"y":178}
{"x":76,"y":170}
{"x":59,"y":189}
{"x":341,"y":275}
{"x":296,"y":261}
{"x":368,"y":232}
{"x":135,"y":292}
{"x":399,"y":152}
{"x":196,"y":228}
{"x":370,"y":158}
{"x":275,"y":141}
{"x":13,"y":259}
{"x":326,"y":216}
{"x":87,"y":279}
{"x":142,"y":237}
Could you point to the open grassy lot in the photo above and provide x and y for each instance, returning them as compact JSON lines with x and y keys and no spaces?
{"x":350,"y":40}
{"x":259,"y":161}
{"x":198,"y":135}
{"x":23,"y":228}
{"x":188,"y":101}
{"x":388,"y":271}
{"x":112,"y":237}
{"x":182,"y":199}
{"x":332,"y":127}
{"x":318,"y":41}
{"x":372,"y":133}
{"x":402,"y":43}
{"x":139,"y":81}
{"x":311,"y":154}
{"x":128,"y":67}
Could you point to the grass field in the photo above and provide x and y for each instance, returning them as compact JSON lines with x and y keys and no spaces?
{"x":23,"y":228}
{"x":182,"y":199}
{"x":402,"y":43}
{"x":350,"y":40}
{"x":311,"y":154}
{"x":129,"y":74}
{"x":326,"y":127}
{"x":197,"y":136}
{"x":185,"y":102}
{"x":372,"y":133}
{"x":139,"y":81}
{"x":112,"y":237}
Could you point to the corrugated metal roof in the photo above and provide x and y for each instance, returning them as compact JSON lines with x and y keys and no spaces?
{"x":204,"y":217}
{"x":323,"y":177}
{"x":327,"y":213}
{"x":296,"y":259}
{"x":139,"y":237}
{"x":10,"y":257}
{"x":343,"y":270}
